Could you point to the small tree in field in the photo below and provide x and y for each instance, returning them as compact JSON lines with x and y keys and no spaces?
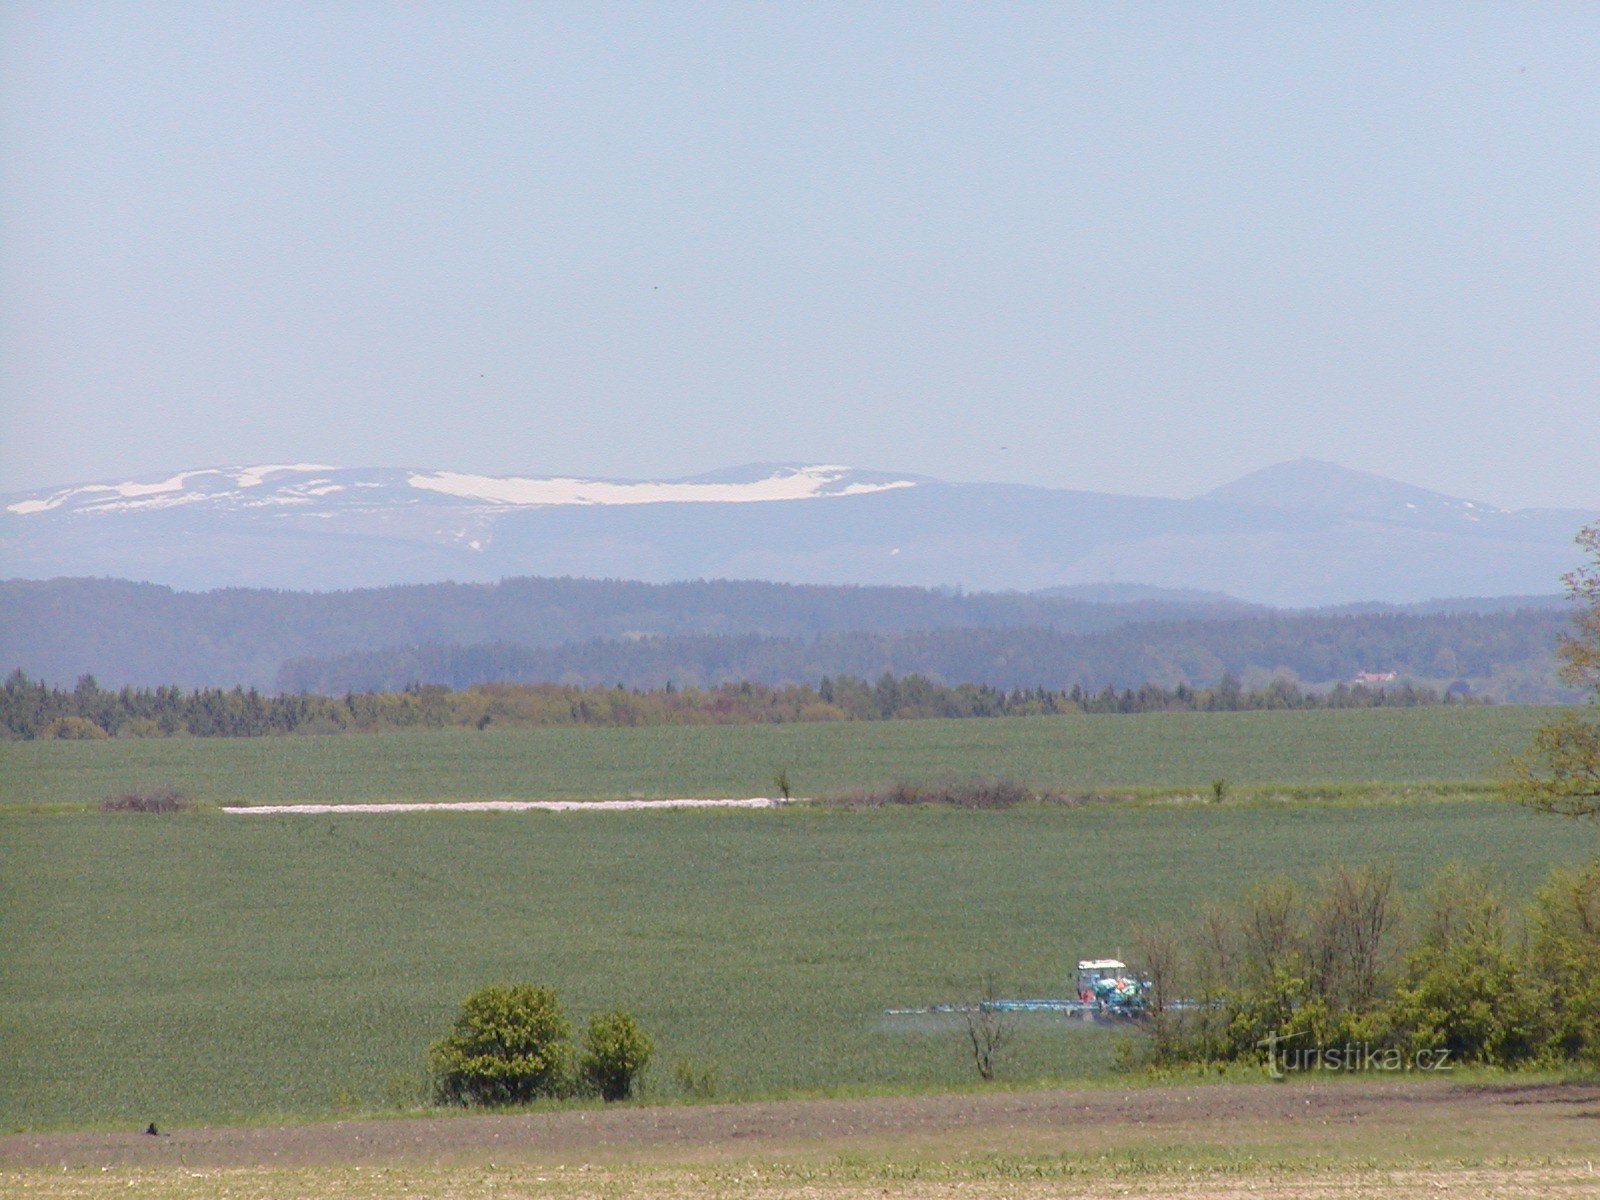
{"x":988,"y":1028}
{"x":1561,"y":773}
{"x":615,"y":1053}
{"x":510,"y":1045}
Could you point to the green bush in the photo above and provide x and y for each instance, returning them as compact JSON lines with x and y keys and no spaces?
{"x":696,"y":1077}
{"x":615,"y":1052}
{"x":977,"y":794}
{"x":72,"y":729}
{"x":1565,"y":919}
{"x":157,"y":800}
{"x":1468,"y":987}
{"x":1321,"y":975}
{"x":510,"y":1045}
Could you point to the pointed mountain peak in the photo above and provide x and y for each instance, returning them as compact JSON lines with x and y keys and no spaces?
{"x":1320,"y":486}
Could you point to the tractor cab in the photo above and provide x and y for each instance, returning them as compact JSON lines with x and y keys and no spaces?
{"x":1106,"y":985}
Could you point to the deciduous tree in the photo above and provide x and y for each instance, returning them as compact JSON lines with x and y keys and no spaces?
{"x":989,"y":1028}
{"x":616,"y":1050}
{"x":1561,"y":772}
{"x":509,"y":1045}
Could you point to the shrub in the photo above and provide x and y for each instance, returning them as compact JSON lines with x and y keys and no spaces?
{"x":511,"y":1044}
{"x":1318,"y":971}
{"x":72,"y":729}
{"x":696,"y":1077}
{"x":977,"y":794}
{"x":1566,"y":953}
{"x":405,"y":1090}
{"x":615,"y":1052}
{"x":1468,"y":989}
{"x":160,"y":800}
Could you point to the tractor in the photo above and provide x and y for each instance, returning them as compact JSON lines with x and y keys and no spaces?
{"x":1106,"y":988}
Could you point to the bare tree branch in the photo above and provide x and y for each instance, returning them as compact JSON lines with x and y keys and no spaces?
{"x":988,"y":1028}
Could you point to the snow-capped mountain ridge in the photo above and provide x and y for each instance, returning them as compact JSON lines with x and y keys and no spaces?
{"x":788,"y":483}
{"x":1299,"y":533}
{"x":185,"y":487}
{"x":302,"y":484}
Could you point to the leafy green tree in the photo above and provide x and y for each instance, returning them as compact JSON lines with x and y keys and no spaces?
{"x":616,"y":1050}
{"x":1582,"y":651}
{"x":1469,"y":990}
{"x":1561,"y":773}
{"x":511,"y":1044}
{"x":1565,"y":918}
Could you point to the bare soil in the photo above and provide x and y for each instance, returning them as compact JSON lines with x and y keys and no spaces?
{"x":1401,"y":1120}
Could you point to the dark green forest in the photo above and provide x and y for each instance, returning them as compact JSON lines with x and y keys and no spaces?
{"x":1509,"y":656}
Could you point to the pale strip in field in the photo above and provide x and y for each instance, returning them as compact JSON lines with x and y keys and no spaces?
{"x":502,"y":806}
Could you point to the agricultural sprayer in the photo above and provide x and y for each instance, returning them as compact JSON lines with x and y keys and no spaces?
{"x":1106,"y":991}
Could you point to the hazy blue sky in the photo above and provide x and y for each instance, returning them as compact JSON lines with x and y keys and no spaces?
{"x":1124,"y":247}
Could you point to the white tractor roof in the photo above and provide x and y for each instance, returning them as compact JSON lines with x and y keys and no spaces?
{"x":1101,"y":964}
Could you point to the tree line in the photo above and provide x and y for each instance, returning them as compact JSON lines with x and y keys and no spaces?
{"x":31,"y":708}
{"x":1511,"y":656}
{"x":141,"y":633}
{"x":586,"y":631}
{"x":1344,"y":978}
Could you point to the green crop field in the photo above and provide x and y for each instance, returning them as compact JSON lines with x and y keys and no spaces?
{"x":1080,"y":752}
{"x":197,"y":966}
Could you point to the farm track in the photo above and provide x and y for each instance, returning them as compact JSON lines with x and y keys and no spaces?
{"x":1553,"y":1120}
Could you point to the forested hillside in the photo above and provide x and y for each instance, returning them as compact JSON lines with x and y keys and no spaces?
{"x":602,"y":632}
{"x":1509,"y":656}
{"x":136,"y":633}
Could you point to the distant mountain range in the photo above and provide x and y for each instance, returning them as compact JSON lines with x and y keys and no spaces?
{"x":1301,"y":533}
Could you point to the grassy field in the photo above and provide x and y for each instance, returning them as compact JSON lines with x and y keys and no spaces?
{"x":197,"y":966}
{"x":1086,"y":752}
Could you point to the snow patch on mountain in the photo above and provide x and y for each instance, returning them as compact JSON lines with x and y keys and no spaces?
{"x":186,"y":487}
{"x":305,"y":486}
{"x":800,"y":483}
